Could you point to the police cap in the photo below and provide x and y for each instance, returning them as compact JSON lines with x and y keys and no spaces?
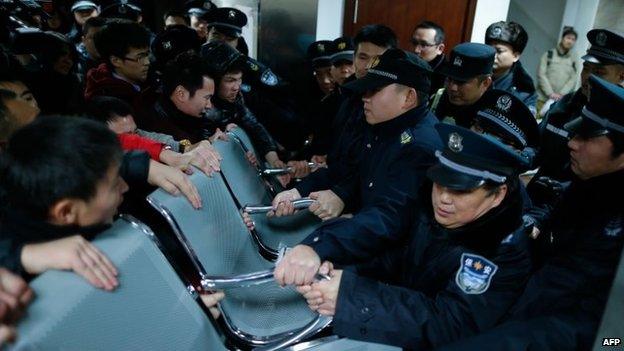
{"x":319,"y":53}
{"x":343,"y":50}
{"x":174,"y":40}
{"x":469,"y":60}
{"x":469,"y":160}
{"x":607,"y":47}
{"x":227,"y":20}
{"x":83,"y":5}
{"x":603,"y":112}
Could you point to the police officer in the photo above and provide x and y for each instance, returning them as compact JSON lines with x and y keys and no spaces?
{"x":468,"y":76}
{"x":465,"y":262}
{"x":605,"y":59}
{"x":197,"y":11}
{"x":226,"y":24}
{"x":563,"y":302}
{"x":81,"y":10}
{"x":509,"y":39}
{"x":398,"y":143}
{"x":172,"y":41}
{"x":342,"y":59}
{"x":123,"y":9}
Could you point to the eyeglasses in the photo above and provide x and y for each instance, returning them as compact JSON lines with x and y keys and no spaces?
{"x":142,"y":57}
{"x":421,"y":43}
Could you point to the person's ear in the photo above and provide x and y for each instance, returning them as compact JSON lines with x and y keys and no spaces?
{"x":116,"y":61}
{"x":516,"y":56}
{"x":487,"y":82}
{"x":441,"y":47}
{"x":64,"y":212}
{"x":180,"y":94}
{"x":499,"y":196}
{"x":411,"y":98}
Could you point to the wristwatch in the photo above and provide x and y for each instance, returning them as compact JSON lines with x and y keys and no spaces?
{"x":184,"y":143}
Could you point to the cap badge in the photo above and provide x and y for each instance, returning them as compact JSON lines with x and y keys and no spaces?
{"x":455,"y":142}
{"x":342,"y":46}
{"x":374,"y":62}
{"x":496,"y":32}
{"x":321,"y":47}
{"x":207,"y":5}
{"x":167,"y":45}
{"x":232,"y":14}
{"x":457,"y":61}
{"x":253,"y":66}
{"x":503,"y":103}
{"x":405,"y":138}
{"x":601,"y":38}
{"x":122,"y":8}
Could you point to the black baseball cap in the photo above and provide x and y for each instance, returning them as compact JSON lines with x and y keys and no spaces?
{"x":394,"y":66}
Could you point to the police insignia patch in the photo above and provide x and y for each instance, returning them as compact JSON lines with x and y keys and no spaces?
{"x":167,"y":45}
{"x":496,"y":32}
{"x":405,"y":138}
{"x":232,"y":14}
{"x":457,"y":62}
{"x":475,"y":274}
{"x":614,"y":227}
{"x":503,"y":103}
{"x":601,"y":39}
{"x":341,"y":46}
{"x":455,"y":142}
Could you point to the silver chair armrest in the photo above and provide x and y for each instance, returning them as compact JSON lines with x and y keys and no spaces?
{"x":318,"y":324}
{"x":299,"y":205}
{"x":286,"y":170}
{"x":255,"y":278}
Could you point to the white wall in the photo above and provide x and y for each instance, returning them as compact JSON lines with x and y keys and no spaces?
{"x":581,"y":14}
{"x":486,"y":13}
{"x":329,"y":19}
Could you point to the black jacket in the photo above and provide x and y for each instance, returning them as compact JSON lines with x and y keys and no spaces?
{"x":445,"y":284}
{"x":449,"y":113}
{"x":563,"y":302}
{"x":394,"y":158}
{"x":437,"y":79}
{"x":163,"y":116}
{"x":519,"y":83}
{"x":225,"y":113}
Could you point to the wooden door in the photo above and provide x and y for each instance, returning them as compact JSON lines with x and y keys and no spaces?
{"x":455,"y":16}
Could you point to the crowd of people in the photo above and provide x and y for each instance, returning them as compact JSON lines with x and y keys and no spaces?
{"x":413,"y":157}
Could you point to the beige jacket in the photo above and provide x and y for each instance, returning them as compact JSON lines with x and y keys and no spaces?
{"x":557,"y":73}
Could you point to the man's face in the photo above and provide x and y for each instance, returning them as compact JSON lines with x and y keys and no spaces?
{"x":568,"y":41}
{"x":383,"y":104}
{"x":81,"y":16}
{"x":610,"y":73}
{"x":134,"y":66}
{"x":197,"y":104}
{"x":425,"y":45}
{"x":324,"y":79}
{"x":365,"y":53}
{"x":342,"y":70}
{"x":215,"y":35}
{"x":505,"y":56}
{"x":465,"y":93}
{"x":89,"y":43}
{"x":230,"y":84}
{"x":102,"y":207}
{"x":23,"y":109}
{"x":593,"y":157}
{"x":122,"y":124}
{"x":200,"y":26}
{"x":64,"y":63}
{"x":454,"y":208}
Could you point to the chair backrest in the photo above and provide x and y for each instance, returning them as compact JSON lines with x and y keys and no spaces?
{"x":150,"y":310}
{"x":247,"y":185}
{"x":214,"y":235}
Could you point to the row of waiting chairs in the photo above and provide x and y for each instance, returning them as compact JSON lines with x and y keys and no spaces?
{"x":155,"y":308}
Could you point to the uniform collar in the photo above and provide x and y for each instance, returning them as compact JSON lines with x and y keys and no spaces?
{"x":398,"y":124}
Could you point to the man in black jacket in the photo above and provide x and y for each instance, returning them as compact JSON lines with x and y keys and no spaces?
{"x":465,"y":261}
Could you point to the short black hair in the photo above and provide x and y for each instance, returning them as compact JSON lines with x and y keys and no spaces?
{"x":5,"y":122}
{"x":106,"y":108}
{"x":55,"y":158}
{"x":377,"y":34}
{"x":94,"y":22}
{"x":177,"y":13}
{"x":188,"y":70}
{"x":118,"y":36}
{"x":439,"y":36}
{"x":569,"y":30}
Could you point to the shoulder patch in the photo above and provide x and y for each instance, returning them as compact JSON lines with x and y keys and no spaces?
{"x":475,"y":274}
{"x":614,"y":227}
{"x":405,"y":137}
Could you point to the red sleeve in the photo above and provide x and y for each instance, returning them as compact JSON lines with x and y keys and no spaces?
{"x":136,"y":142}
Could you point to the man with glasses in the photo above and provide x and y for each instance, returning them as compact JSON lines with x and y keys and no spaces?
{"x":428,"y":41}
{"x":468,"y":76}
{"x":124,"y":48}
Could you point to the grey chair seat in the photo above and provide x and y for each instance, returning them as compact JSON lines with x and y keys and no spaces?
{"x":150,"y":310}
{"x":226,"y":257}
{"x":249,"y":188}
